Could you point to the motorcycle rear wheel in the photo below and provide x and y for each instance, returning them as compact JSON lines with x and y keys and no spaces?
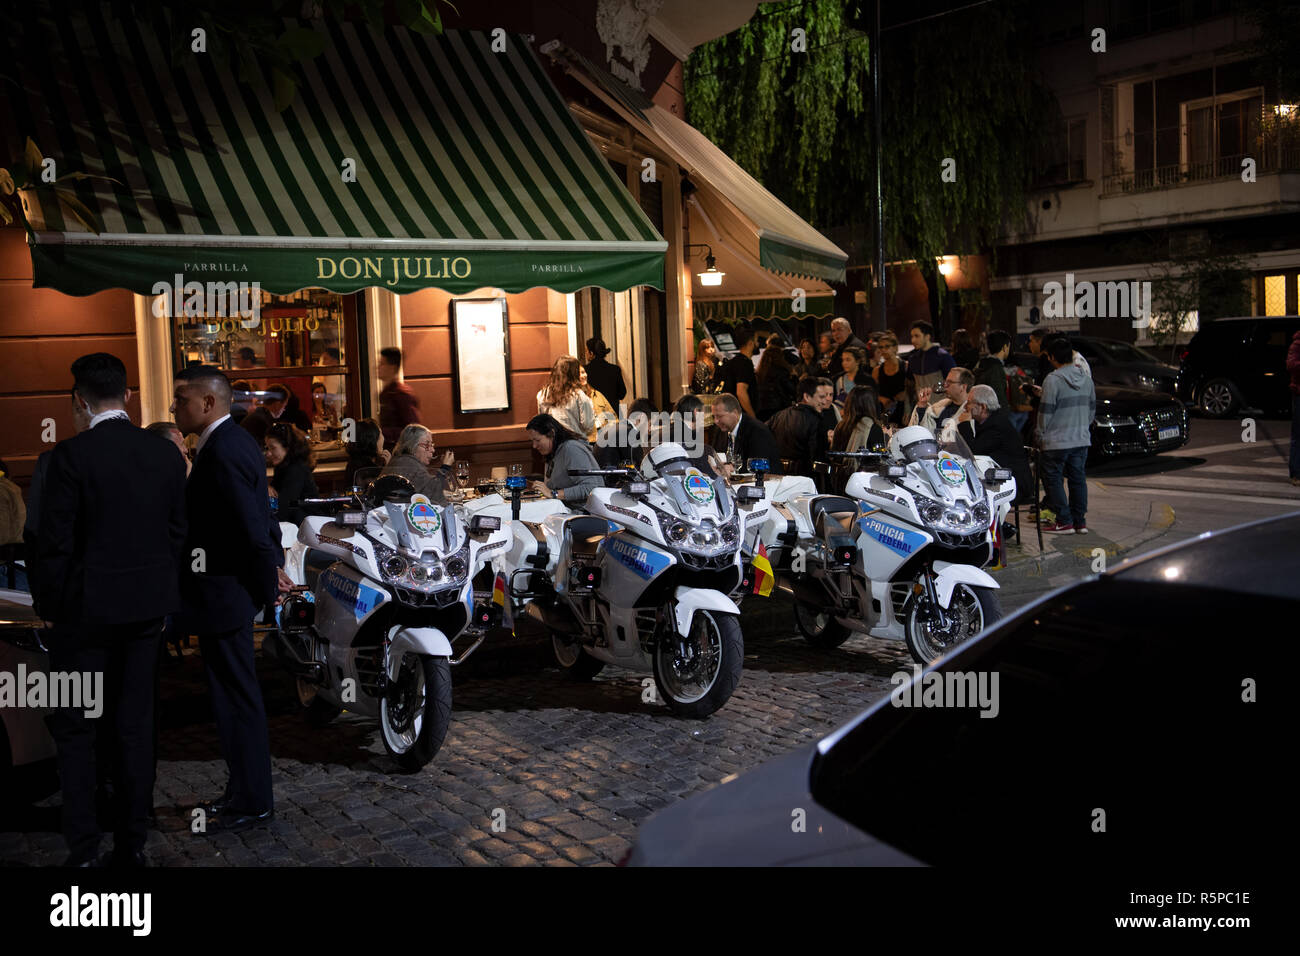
{"x":698,"y":683}
{"x":415,"y":715}
{"x":970,"y":611}
{"x":819,"y":628}
{"x":576,"y":665}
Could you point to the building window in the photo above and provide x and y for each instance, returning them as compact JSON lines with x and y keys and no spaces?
{"x":1274,"y":298}
{"x":1068,"y":160}
{"x":1218,"y":132}
{"x":304,"y":341}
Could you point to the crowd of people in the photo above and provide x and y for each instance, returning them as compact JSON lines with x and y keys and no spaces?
{"x":194,"y":498}
{"x":845,"y":394}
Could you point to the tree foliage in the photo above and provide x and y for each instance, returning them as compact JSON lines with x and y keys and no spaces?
{"x":258,"y":39}
{"x":960,"y":86}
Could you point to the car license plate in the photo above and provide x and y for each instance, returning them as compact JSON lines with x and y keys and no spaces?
{"x":1170,"y":432}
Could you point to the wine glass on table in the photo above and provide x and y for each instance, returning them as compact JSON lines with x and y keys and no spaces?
{"x":462,"y":472}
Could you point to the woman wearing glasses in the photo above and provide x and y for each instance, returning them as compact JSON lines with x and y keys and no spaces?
{"x":412,"y":456}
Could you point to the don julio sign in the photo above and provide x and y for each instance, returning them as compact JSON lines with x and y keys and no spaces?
{"x":390,"y":270}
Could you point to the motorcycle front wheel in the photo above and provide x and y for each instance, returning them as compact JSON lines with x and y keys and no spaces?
{"x":415,"y":712}
{"x":970,"y":611}
{"x":696,"y":674}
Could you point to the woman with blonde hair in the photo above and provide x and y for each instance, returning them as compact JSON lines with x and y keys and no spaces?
{"x":564,"y":399}
{"x":411,"y":458}
{"x":604,"y":411}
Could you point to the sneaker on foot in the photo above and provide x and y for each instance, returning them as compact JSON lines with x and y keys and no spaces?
{"x":1080,"y":527}
{"x":1056,"y":527}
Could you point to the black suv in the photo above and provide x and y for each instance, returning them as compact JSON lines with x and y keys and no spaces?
{"x":1238,"y":363}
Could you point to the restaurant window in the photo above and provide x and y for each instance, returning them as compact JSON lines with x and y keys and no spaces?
{"x":305,"y":341}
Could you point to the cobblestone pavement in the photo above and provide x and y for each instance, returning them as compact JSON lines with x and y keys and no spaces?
{"x":575,"y":767}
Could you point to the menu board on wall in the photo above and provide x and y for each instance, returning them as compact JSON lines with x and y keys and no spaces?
{"x":481,"y":351}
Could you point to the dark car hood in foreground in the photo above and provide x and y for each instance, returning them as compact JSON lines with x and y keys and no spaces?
{"x":1115,"y":398}
{"x":748,"y":822}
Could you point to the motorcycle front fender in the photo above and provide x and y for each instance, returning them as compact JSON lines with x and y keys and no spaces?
{"x":690,"y":600}
{"x":948,"y":576}
{"x":415,"y":640}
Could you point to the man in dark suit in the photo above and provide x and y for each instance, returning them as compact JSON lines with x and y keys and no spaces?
{"x":604,"y":376}
{"x":745,"y":436}
{"x":111,"y":530}
{"x":987,"y":428}
{"x":231,"y":569}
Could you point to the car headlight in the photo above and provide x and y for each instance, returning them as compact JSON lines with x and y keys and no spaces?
{"x":1114,"y":421}
{"x":1148,"y":381}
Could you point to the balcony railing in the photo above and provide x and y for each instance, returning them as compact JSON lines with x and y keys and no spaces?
{"x":1272,"y":159}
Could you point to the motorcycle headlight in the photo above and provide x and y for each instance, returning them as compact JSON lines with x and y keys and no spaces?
{"x":931,"y":511}
{"x":982,"y":513}
{"x":393,"y":566}
{"x":677,"y":532}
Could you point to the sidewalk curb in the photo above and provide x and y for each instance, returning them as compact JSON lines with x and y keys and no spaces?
{"x":1161,"y":517}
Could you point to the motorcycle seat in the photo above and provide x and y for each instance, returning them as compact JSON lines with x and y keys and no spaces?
{"x":835,"y":509}
{"x":585,"y":534}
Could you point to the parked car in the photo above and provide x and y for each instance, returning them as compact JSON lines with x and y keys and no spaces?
{"x":1129,"y":421}
{"x":1124,"y":365}
{"x":1122,"y":704}
{"x":1133,"y":422}
{"x":1238,"y":363}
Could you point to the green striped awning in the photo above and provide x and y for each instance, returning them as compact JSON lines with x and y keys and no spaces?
{"x":469,"y":170}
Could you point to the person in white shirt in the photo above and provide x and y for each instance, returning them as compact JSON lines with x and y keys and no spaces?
{"x":563,"y":397}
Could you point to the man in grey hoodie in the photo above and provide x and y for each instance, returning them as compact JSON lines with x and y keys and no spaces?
{"x":1068,"y":406}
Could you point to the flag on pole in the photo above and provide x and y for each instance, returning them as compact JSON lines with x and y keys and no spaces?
{"x":499,"y":599}
{"x":763,"y":577}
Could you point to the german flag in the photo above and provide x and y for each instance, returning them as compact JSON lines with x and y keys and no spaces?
{"x":763,"y":577}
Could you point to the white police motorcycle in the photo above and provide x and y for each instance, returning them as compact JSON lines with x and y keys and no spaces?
{"x":647,"y":578}
{"x":901,"y":554}
{"x":385,"y":587}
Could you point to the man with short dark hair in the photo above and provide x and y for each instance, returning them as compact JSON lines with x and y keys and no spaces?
{"x":398,"y":406}
{"x":231,"y":569}
{"x":741,"y":436}
{"x":928,"y":363}
{"x":1068,"y":406}
{"x":737,"y":376}
{"x":798,"y":429}
{"x":111,"y":531}
{"x":245,"y":358}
